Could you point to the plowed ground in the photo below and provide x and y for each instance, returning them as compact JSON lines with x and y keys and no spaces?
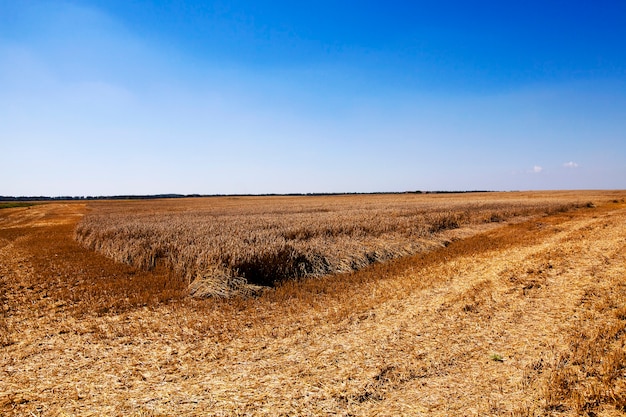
{"x":523,"y":319}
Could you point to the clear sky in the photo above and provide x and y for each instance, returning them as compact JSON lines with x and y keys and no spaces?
{"x":145,"y":97}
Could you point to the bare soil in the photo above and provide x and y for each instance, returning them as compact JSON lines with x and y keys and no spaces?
{"x":492,"y":324}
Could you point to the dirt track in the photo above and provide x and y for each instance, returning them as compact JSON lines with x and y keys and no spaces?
{"x":460,"y":331}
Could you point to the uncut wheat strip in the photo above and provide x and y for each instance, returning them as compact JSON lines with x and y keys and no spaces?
{"x":250,"y":223}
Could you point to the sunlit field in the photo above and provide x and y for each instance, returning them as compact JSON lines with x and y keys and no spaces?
{"x":502,"y":304}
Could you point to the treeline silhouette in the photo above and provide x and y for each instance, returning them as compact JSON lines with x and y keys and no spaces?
{"x":161,"y":196}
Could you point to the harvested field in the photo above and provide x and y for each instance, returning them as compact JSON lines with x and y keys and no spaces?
{"x":229,"y":246}
{"x":522,"y":317}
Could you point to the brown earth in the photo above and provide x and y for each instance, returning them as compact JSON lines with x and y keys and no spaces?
{"x":523,"y":319}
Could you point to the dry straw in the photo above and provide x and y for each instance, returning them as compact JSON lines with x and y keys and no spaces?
{"x":419,"y":335}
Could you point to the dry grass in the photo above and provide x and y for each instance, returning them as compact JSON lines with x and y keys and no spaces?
{"x":5,"y":331}
{"x":520,"y":318}
{"x":588,"y":374}
{"x":222,"y":245}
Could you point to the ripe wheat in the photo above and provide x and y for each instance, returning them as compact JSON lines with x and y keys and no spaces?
{"x":223,"y":246}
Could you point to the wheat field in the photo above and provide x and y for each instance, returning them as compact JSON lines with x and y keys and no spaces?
{"x":238,"y":245}
{"x":518,"y":309}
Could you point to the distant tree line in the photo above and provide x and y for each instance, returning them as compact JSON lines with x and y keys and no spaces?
{"x":157,"y":196}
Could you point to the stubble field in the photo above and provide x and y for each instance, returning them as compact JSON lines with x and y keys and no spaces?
{"x":474,"y":304}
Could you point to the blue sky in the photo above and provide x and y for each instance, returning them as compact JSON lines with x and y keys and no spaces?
{"x":137,"y":97}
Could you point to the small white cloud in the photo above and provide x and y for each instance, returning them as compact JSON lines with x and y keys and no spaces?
{"x":570,"y":164}
{"x":537,"y":169}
